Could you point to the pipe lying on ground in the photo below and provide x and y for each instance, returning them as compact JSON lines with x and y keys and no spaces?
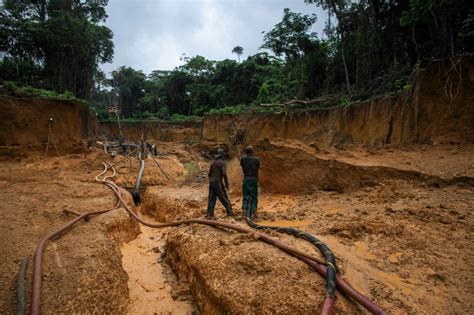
{"x":36,"y":292}
{"x":36,"y":295}
{"x":136,"y":193}
{"x":315,"y":263}
{"x":21,"y":286}
{"x":323,"y":248}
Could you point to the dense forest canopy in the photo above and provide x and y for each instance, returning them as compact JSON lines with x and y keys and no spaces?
{"x":368,"y":47}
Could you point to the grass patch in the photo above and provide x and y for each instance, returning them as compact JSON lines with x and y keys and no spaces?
{"x":15,"y":89}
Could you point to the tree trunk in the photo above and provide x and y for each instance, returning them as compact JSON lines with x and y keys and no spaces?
{"x":346,"y":71}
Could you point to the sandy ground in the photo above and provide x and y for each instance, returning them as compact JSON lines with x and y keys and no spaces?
{"x":152,"y":285}
{"x":404,"y":243}
{"x":445,"y":160}
{"x":407,"y":244}
{"x":82,"y":269}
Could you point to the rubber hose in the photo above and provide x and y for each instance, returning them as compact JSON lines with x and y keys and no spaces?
{"x":311,"y":261}
{"x":21,"y":286}
{"x":314,"y":262}
{"x":136,"y":193}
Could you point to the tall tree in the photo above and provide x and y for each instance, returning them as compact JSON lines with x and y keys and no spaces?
{"x":129,"y":86}
{"x":238,"y":50}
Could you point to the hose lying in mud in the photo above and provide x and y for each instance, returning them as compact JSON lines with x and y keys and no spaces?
{"x":323,"y":248}
{"x":136,"y":193}
{"x":315,"y":263}
{"x":21,"y":286}
{"x":36,"y":293}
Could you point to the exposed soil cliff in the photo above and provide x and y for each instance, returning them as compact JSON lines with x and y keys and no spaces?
{"x":25,"y":122}
{"x":158,"y":131}
{"x":440,"y":109}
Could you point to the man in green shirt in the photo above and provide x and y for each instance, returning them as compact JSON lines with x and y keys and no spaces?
{"x":250,"y":166}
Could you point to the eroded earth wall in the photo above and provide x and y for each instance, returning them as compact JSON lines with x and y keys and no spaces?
{"x":151,"y":130}
{"x":439,"y":109}
{"x":24,"y":124}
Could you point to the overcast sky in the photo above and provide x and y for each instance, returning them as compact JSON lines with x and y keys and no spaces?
{"x":153,"y":34}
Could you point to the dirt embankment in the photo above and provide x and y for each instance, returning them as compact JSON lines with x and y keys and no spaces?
{"x":157,"y":131}
{"x":236,"y":274}
{"x":24,"y":125}
{"x":440,"y":109}
{"x":290,"y":166}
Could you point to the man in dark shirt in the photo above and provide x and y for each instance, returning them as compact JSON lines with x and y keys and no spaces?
{"x":217,"y":178}
{"x":250,"y":166}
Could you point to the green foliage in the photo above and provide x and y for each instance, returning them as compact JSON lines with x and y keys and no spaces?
{"x":17,"y":89}
{"x":230,"y":110}
{"x":177,"y":118}
{"x":290,"y":37}
{"x":344,"y":101}
{"x":369,"y":48}
{"x":56,"y":45}
{"x":238,"y":50}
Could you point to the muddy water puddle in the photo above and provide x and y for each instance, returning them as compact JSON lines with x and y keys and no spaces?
{"x":148,"y":280}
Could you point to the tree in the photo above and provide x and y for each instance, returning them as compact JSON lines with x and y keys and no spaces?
{"x":238,"y":50}
{"x":290,"y":36}
{"x":61,"y":41}
{"x":129,"y":85}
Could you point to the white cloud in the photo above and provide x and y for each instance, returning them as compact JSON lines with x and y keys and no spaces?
{"x":152,"y":34}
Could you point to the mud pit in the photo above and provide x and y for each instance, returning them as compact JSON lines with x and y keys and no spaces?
{"x":387,"y":184}
{"x":395,"y":232}
{"x":402,"y":240}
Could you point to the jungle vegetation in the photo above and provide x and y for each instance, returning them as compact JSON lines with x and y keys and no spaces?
{"x":369,"y":47}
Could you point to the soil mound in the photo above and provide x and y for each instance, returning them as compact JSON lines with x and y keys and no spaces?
{"x":166,"y":204}
{"x":232,"y":273}
{"x":82,"y":269}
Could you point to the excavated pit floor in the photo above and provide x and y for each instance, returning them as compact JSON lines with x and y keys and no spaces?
{"x":405,"y":243}
{"x":151,"y":283}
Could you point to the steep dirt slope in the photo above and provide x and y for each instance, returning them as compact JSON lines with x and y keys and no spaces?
{"x":157,"y":131}
{"x":439,"y":109}
{"x":443,"y":100}
{"x":290,"y":166}
{"x":24,"y":125}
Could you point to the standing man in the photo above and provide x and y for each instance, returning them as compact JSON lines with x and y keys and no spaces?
{"x":250,"y":165}
{"x":217,"y":179}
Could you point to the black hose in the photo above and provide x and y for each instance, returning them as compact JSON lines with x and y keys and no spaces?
{"x":136,"y":193}
{"x":21,"y":286}
{"x":323,"y":248}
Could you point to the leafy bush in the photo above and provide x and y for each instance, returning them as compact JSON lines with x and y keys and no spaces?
{"x":344,"y":101}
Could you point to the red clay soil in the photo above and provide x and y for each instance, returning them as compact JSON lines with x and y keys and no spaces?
{"x":397,"y":214}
